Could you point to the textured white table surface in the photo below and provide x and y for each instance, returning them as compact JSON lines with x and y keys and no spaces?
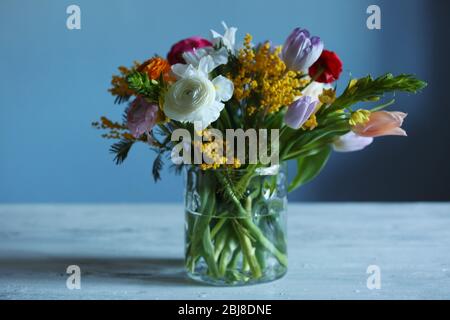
{"x":136,"y":252}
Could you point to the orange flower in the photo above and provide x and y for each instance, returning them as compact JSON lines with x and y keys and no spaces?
{"x":154,"y":67}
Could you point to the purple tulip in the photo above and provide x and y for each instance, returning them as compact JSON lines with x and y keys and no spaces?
{"x":351,"y":142}
{"x":142,"y":116}
{"x":300,"y":111}
{"x":300,"y":51}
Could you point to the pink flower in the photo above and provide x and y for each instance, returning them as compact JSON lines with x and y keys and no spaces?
{"x":187,"y":45}
{"x":382,"y":123}
{"x":142,"y":116}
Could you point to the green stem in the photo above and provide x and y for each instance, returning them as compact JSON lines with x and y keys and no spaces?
{"x":201,"y":243}
{"x":220,"y":243}
{"x":226,"y":119}
{"x":224,"y":259}
{"x":218,"y":226}
{"x":247,"y":250}
{"x":208,"y":250}
{"x":251,"y":227}
{"x":260,"y":256}
{"x":380,"y":107}
{"x":254,"y":230}
{"x":245,"y":265}
{"x":235,"y":259}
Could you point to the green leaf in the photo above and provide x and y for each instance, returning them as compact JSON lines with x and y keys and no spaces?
{"x":302,"y":140}
{"x":275,"y":121}
{"x":121,"y":99}
{"x":157,"y":166}
{"x":369,"y":89}
{"x":121,"y":150}
{"x":140,"y":83}
{"x":308,"y":167}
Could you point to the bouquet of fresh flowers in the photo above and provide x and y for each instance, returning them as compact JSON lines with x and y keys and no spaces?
{"x":236,"y":187}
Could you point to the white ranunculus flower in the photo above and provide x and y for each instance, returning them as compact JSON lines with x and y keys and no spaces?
{"x":194,"y":97}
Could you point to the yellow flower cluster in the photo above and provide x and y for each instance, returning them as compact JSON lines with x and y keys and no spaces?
{"x":304,"y":82}
{"x":214,"y":151}
{"x":263,"y":74}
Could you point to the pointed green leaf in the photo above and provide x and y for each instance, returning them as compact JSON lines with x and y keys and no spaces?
{"x":308,"y":167}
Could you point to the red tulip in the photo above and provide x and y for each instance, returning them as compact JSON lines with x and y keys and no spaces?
{"x":327,"y":68}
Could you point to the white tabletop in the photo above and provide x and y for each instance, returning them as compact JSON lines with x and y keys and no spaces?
{"x":136,"y":252}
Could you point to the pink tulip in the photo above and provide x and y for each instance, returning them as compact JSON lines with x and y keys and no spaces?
{"x":382,"y":123}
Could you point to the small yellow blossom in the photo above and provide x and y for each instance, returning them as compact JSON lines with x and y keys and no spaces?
{"x":352,"y":83}
{"x":328,"y":96}
{"x":311,"y":123}
{"x":304,"y":82}
{"x":359,"y":117}
{"x":236,"y":163}
{"x":251,"y":110}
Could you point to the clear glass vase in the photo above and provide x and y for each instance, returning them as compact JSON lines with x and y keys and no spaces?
{"x":235,"y":228}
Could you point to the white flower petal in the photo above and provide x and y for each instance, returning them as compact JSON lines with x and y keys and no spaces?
{"x":224,"y":88}
{"x":228,"y":39}
{"x":205,"y":116}
{"x":183,"y":70}
{"x":216,"y":35}
{"x":351,"y":142}
{"x":193,"y":57}
{"x":220,"y":56}
{"x":206,"y":65}
{"x":208,"y":114}
{"x":314,"y":89}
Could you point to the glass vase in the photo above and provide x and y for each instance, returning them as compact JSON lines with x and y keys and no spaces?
{"x":235,"y":224}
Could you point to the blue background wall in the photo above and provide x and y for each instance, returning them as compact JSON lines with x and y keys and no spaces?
{"x":53,"y":83}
